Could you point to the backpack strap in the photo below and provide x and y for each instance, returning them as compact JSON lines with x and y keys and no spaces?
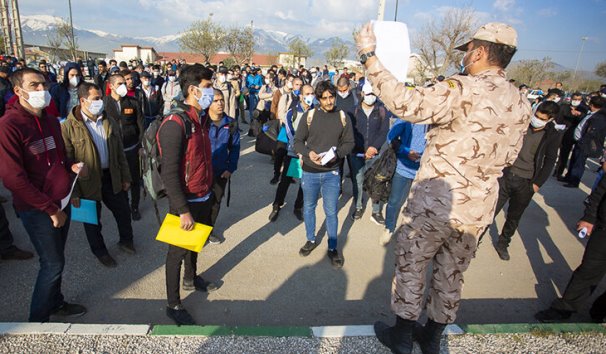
{"x":343,"y":118}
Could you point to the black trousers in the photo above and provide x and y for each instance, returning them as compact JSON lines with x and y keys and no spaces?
{"x":565,"y":149}
{"x":518,"y":192}
{"x":6,"y":237}
{"x":576,"y":167}
{"x":134,"y":166}
{"x":218,"y":193}
{"x":201,"y":212}
{"x":586,"y":278}
{"x":118,"y":205}
{"x":285,"y":182}
{"x":279,"y":155}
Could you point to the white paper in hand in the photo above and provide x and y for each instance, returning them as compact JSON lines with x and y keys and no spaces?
{"x":328,"y":155}
{"x":393,"y":47}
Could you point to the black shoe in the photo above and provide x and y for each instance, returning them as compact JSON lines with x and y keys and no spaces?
{"x":377,"y":218}
{"x":397,"y":338}
{"x":570,"y":185}
{"x":299,"y":214}
{"x":180,"y":315}
{"x":274,"y":214}
{"x":134,"y":213}
{"x":335,"y":259}
{"x":13,"y":252}
{"x":552,"y":315}
{"x":501,"y":249}
{"x":275,"y":180}
{"x":108,"y":261}
{"x":199,"y":284}
{"x":69,"y":310}
{"x":307,"y":248}
{"x":357,"y":214}
{"x":214,"y":240}
{"x":429,"y":337}
{"x":127,"y":247}
{"x":561,"y":178}
{"x":250,"y":133}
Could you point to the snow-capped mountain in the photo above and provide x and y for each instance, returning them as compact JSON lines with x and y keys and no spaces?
{"x":36,"y":29}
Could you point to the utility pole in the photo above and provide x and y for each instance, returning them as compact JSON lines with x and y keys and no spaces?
{"x":19,"y":48}
{"x":583,"y":40}
{"x":73,"y":39}
{"x":381,"y":14}
{"x":6,"y":27}
{"x":395,"y":17}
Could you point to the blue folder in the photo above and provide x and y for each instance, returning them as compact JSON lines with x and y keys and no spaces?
{"x":87,"y":212}
{"x":282,"y":137}
{"x":294,"y":169}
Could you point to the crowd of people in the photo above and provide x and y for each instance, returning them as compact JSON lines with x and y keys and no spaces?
{"x":465,"y":147}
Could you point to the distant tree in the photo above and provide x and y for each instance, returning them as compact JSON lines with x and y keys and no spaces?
{"x":240,"y":43}
{"x":600,"y":69}
{"x":337,"y":53}
{"x":531,"y":72}
{"x":204,"y":37}
{"x":54,"y":42}
{"x":299,"y":49}
{"x":64,"y":32}
{"x":436,"y":41}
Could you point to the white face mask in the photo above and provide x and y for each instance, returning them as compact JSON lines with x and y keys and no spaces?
{"x":370,"y":99}
{"x":172,"y":78}
{"x":145,"y":83}
{"x":557,"y":99}
{"x":537,"y":123}
{"x":603,"y":95}
{"x":208,"y":94}
{"x":343,"y":94}
{"x":289,"y":85}
{"x":309,"y":100}
{"x":39,"y":99}
{"x":156,"y":73}
{"x":74,"y":80}
{"x":575,"y":103}
{"x":229,"y":77}
{"x":121,"y":90}
{"x":221,"y":78}
{"x":96,"y":107}
{"x":266,"y":81}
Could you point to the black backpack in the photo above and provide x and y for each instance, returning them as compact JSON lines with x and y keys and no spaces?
{"x":377,"y":178}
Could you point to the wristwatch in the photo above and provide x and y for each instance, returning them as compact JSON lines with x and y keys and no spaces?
{"x":365,"y":56}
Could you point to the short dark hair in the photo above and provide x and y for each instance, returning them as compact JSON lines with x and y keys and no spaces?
{"x":550,"y":108}
{"x":597,"y":101}
{"x":113,"y":61}
{"x":16,"y":78}
{"x":343,"y":81}
{"x":324,"y":86}
{"x":102,"y":62}
{"x":219,"y":92}
{"x":125,"y":73}
{"x":498,"y":54}
{"x":123,"y":64}
{"x":113,"y":78}
{"x":192,"y":75}
{"x":282,"y":72}
{"x":576,"y":94}
{"x":84,"y":89}
{"x":555,"y":91}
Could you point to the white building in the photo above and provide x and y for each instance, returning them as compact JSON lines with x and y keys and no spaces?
{"x":129,"y":52}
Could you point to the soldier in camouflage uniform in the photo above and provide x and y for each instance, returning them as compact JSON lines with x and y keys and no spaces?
{"x":479,"y":121}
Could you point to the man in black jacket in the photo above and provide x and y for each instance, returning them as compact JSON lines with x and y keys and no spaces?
{"x":589,"y":136}
{"x":571,"y":115}
{"x":127,"y":112}
{"x":102,"y":76}
{"x":529,"y":171}
{"x":588,"y":275}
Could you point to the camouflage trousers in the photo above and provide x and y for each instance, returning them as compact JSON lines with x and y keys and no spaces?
{"x":421,"y":240}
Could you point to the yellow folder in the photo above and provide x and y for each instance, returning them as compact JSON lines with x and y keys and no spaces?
{"x":171,"y":232}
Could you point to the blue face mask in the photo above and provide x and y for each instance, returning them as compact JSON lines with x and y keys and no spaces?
{"x":296,"y":92}
{"x":208,"y":94}
{"x":309,"y":100}
{"x":462,"y":66}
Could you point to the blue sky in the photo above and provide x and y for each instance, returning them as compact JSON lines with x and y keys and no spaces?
{"x":545,"y":28}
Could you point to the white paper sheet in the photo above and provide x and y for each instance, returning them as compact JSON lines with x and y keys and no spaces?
{"x":328,"y":155}
{"x":393,"y":47}
{"x":65,"y":201}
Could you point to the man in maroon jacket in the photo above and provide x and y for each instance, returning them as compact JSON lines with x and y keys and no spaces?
{"x":33,"y":166}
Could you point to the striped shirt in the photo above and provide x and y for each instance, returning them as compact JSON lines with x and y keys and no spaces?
{"x":97,"y":132}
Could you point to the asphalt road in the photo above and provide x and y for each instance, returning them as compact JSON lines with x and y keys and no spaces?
{"x":265,"y":281}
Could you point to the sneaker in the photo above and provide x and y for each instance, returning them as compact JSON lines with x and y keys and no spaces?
{"x":214,"y":240}
{"x":69,"y":310}
{"x":299,"y":214}
{"x":552,"y":315}
{"x":180,"y":315}
{"x":108,"y":261}
{"x":127,"y":247}
{"x":274,"y":214}
{"x":377,"y":218}
{"x":275,"y":180}
{"x":135,"y":214}
{"x":307,"y":248}
{"x":357,"y":214}
{"x":199,"y":284}
{"x":335,"y":259}
{"x":13,"y":252}
{"x":385,"y":237}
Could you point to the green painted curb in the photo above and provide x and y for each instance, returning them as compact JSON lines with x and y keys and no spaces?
{"x":256,"y":331}
{"x":533,"y":328}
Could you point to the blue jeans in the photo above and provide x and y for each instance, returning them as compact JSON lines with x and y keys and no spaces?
{"x":328,"y":184}
{"x":253,"y":100}
{"x":359,"y":165}
{"x":49,"y":243}
{"x":400,"y":187}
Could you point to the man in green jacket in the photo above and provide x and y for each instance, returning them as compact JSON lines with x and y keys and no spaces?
{"x":94,"y":138}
